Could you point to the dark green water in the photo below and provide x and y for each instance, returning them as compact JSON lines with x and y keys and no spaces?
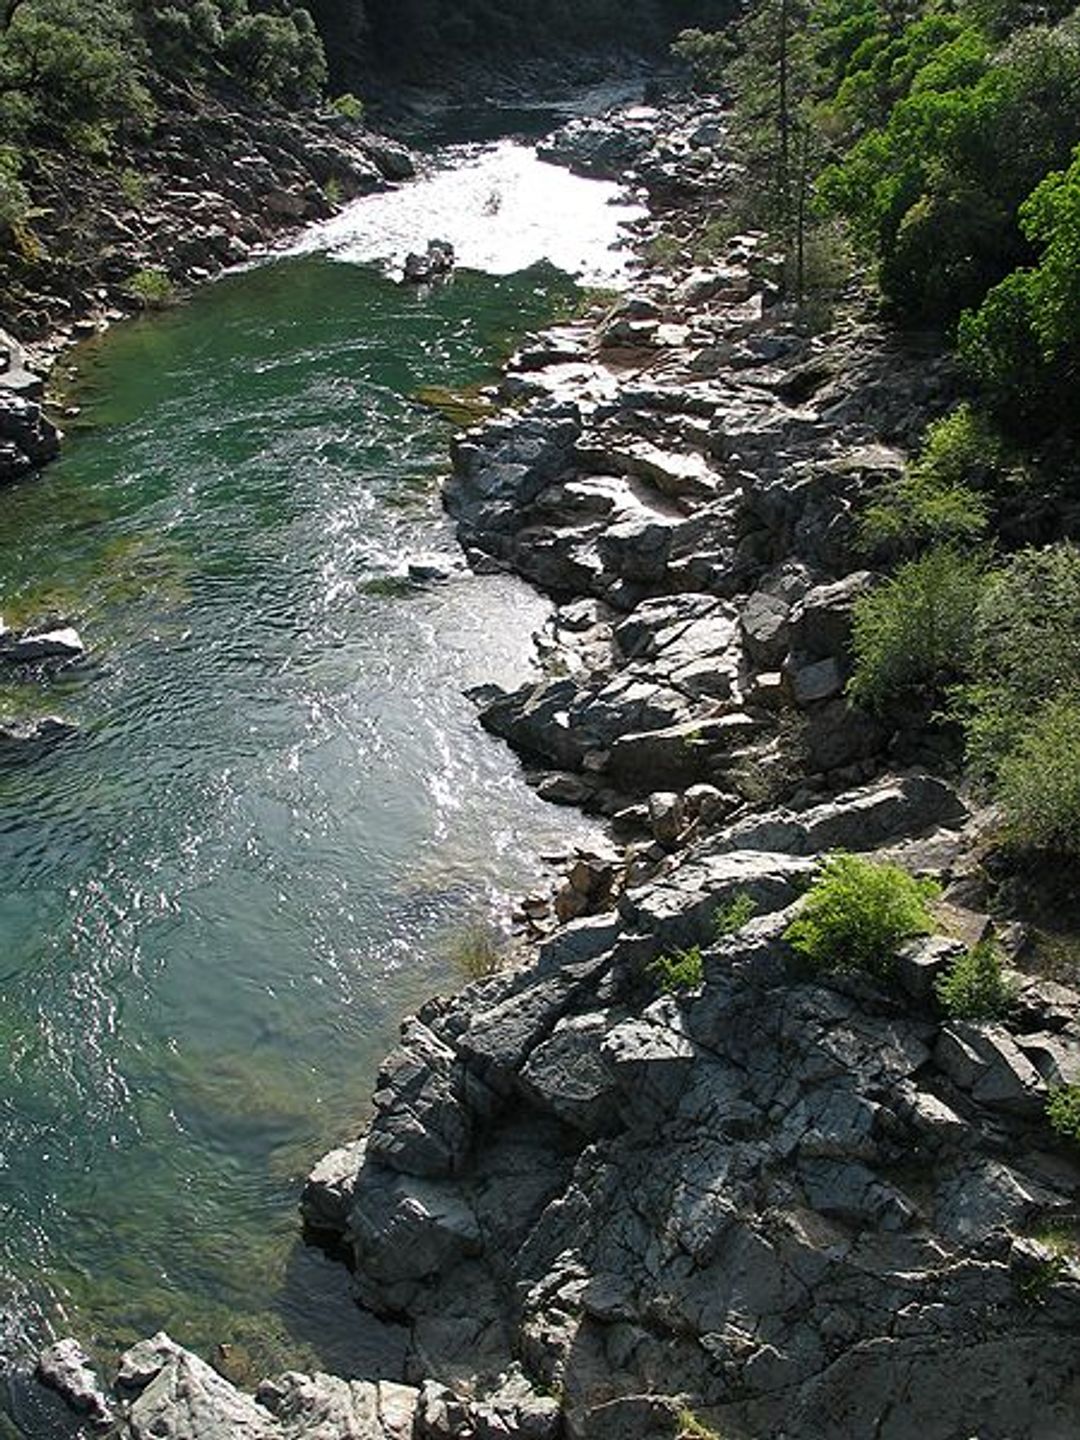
{"x":217,"y":901}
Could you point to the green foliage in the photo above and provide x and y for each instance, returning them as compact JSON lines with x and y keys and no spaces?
{"x":1063,"y":1111}
{"x":478,"y":951}
{"x":706,"y":54}
{"x":14,"y":201}
{"x":914,"y":633}
{"x":1022,"y":346}
{"x":738,"y":911}
{"x":277,"y":56}
{"x":931,"y":190}
{"x":679,"y":971}
{"x":348,"y":106}
{"x":1025,"y":651}
{"x":67,"y":74}
{"x":942,"y":497}
{"x":152,"y":288}
{"x":691,"y":1428}
{"x":858,"y":912}
{"x":976,"y":987}
{"x":133,"y":188}
{"x":1039,"y":781}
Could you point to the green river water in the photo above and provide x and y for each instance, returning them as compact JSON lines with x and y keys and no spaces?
{"x":218,"y":899}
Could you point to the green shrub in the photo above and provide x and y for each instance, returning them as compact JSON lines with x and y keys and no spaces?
{"x":975,"y":987}
{"x":1039,"y":781}
{"x":1024,"y":654}
{"x":348,"y":106}
{"x":858,"y":912}
{"x":1063,"y":1111}
{"x":706,"y":53}
{"x":152,"y":288}
{"x":691,"y":1428}
{"x":1022,"y":346}
{"x":738,"y":911}
{"x":679,"y":971}
{"x":478,"y":950}
{"x":942,"y":496}
{"x":14,"y":200}
{"x":133,"y":187}
{"x":913,"y":634}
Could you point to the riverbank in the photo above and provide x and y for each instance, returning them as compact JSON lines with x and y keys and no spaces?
{"x":817,"y":1208}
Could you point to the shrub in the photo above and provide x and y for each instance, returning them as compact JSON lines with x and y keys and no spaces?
{"x":1063,"y":1111}
{"x":1023,"y":344}
{"x":478,"y":950}
{"x":14,"y":201}
{"x":857,"y":912}
{"x":152,"y":288}
{"x":914,"y":633}
{"x":1039,"y":782}
{"x":133,"y":188}
{"x":1025,"y":653}
{"x":941,"y":498}
{"x":738,"y":911}
{"x":679,"y":971}
{"x":975,"y":987}
{"x":348,"y":106}
{"x":706,"y":53}
{"x":691,"y":1428}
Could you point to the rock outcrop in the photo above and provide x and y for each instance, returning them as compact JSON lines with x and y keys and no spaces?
{"x":811,"y":1207}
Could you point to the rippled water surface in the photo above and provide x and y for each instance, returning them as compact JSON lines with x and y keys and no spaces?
{"x":217,"y":900}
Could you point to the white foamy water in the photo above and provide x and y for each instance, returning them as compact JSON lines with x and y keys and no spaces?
{"x":501,"y":208}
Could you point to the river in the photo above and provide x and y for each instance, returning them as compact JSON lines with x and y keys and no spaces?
{"x":218,"y":899}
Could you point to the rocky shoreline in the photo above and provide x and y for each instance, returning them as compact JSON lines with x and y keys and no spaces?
{"x":808,"y":1208}
{"x":213,"y":185}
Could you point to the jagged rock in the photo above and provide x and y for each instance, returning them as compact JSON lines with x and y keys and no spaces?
{"x":66,"y":1368}
{"x":45,"y":730}
{"x":181,"y":1398}
{"x":667,"y":816}
{"x":64,"y":644}
{"x":436,"y":263}
{"x":328,"y":1191}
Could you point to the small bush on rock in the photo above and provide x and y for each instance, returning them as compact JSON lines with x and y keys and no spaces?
{"x":976,"y":987}
{"x":1063,"y":1111}
{"x":1039,"y":783}
{"x":478,"y":951}
{"x":913,"y":634}
{"x":152,"y":289}
{"x":729,"y":918}
{"x":679,"y":971}
{"x":858,"y":912}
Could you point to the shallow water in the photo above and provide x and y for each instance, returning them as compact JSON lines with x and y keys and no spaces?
{"x":220,"y":896}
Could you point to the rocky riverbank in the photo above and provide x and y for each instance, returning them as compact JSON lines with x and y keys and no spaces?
{"x":808,"y":1208}
{"x":210,"y":185}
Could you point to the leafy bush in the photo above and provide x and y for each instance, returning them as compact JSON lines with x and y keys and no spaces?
{"x":975,"y":987}
{"x":679,"y":971}
{"x":913,"y":634}
{"x":942,"y":497}
{"x":706,"y":53}
{"x":153,"y":289}
{"x":1063,"y":1111}
{"x":858,"y":912}
{"x":1023,"y":345}
{"x":478,"y":951}
{"x":729,"y":918}
{"x":348,"y":106}
{"x":133,"y":187}
{"x":14,"y":201}
{"x":1024,"y":653}
{"x":1039,"y":781}
{"x":932,"y":188}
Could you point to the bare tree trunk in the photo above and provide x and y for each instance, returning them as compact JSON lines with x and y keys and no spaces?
{"x":784,"y":117}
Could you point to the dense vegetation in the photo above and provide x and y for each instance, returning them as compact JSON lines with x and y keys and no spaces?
{"x":943,"y":136}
